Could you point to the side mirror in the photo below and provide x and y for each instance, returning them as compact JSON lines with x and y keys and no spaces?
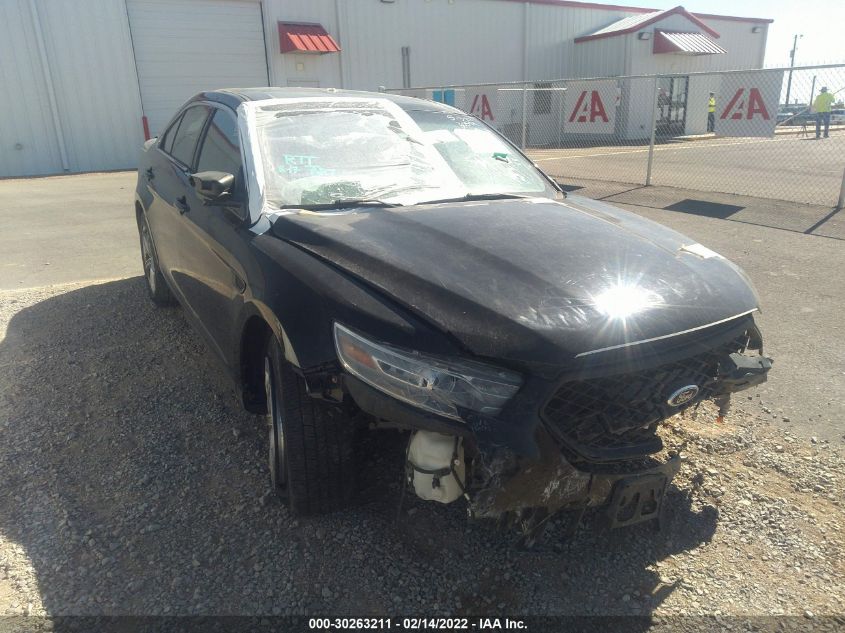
{"x":213,"y":186}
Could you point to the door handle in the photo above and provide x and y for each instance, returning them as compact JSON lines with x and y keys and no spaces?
{"x":150,"y":174}
{"x":182,"y":205}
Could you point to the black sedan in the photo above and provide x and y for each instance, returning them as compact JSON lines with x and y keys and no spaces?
{"x":362,"y":260}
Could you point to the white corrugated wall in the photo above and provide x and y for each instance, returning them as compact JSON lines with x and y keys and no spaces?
{"x":94,"y":78}
{"x":71,"y":98}
{"x":28,"y":139}
{"x":465,"y":42}
{"x":80,"y":53}
{"x":553,"y":53}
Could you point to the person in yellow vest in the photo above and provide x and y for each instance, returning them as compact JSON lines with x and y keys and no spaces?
{"x":822,"y":106}
{"x":711,"y":113}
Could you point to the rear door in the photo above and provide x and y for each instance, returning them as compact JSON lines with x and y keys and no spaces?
{"x":213,"y":238}
{"x":168,"y":181}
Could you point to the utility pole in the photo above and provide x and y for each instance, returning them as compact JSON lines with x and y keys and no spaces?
{"x":812,"y":95}
{"x":791,"y":65}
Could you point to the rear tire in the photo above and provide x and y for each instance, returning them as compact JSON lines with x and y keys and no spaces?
{"x":156,"y":285}
{"x":311,"y":457}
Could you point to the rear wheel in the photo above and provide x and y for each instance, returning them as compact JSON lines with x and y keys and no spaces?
{"x":156,"y":285}
{"x":311,"y":454}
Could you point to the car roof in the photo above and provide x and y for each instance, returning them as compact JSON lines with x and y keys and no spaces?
{"x":233,"y":97}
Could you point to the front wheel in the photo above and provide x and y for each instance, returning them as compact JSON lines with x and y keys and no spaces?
{"x":311,"y":454}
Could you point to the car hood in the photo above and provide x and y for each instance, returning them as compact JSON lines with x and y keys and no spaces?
{"x":529,"y":280}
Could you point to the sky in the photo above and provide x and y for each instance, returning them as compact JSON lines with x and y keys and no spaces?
{"x":822,"y":24}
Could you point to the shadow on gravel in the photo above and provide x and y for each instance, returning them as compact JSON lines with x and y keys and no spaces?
{"x":134,"y":484}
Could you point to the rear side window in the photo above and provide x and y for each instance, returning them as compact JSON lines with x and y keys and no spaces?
{"x":220,"y":149}
{"x":185,"y":139}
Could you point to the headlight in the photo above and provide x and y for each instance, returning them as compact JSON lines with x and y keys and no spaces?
{"x":430,"y":383}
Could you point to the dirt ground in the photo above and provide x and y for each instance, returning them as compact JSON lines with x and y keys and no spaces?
{"x":132,"y":483}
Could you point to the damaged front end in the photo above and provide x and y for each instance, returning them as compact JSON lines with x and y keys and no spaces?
{"x":595,"y":436}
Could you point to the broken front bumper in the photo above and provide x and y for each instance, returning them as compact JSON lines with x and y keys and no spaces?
{"x":515,"y":486}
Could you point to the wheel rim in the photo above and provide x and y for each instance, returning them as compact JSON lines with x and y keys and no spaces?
{"x":147,"y":257}
{"x":278,"y":467}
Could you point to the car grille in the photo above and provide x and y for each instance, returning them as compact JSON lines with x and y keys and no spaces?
{"x":615,"y":417}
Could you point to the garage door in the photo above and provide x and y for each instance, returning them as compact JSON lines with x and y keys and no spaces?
{"x":183,"y":47}
{"x":72,"y":96}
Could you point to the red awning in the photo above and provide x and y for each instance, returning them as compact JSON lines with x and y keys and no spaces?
{"x":305,"y":37}
{"x":686,"y":43}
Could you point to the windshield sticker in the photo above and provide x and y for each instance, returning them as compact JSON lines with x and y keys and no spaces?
{"x":302,"y":165}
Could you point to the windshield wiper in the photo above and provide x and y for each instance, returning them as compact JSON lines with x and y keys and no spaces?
{"x":471,"y":197}
{"x":343,"y":203}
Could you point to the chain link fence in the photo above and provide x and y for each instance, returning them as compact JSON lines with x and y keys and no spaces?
{"x":740,"y":132}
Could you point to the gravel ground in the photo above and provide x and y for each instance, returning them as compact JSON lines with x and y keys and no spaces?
{"x":132,"y":483}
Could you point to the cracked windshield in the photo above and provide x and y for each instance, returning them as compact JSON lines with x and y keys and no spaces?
{"x":319,"y":154}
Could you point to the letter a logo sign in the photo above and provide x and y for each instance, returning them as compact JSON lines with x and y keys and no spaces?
{"x":747,"y":103}
{"x":481,"y":107}
{"x":588,"y":109}
{"x":740,"y":107}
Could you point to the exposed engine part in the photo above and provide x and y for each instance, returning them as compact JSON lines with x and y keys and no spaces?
{"x":435,"y":466}
{"x":524,"y":493}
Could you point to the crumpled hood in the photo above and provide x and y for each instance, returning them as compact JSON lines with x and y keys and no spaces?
{"x":532,"y":281}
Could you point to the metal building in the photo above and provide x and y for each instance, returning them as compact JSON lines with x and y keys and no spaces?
{"x":86,"y":80}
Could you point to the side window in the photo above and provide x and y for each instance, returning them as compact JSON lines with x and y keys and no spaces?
{"x":188,"y":133}
{"x":220,"y":149}
{"x":166,"y":142}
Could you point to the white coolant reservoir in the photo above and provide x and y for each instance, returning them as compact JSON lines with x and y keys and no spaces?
{"x":436,"y":466}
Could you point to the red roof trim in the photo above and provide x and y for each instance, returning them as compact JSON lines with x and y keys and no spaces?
{"x":638,"y":27}
{"x":305,"y":37}
{"x":733,"y":18}
{"x":586,"y":5}
{"x":616,"y":7}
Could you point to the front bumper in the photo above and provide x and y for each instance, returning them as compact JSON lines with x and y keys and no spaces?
{"x":509,"y":481}
{"x":524,"y":461}
{"x":514,"y":485}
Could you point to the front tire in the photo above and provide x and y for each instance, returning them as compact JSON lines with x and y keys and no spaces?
{"x":156,"y":285}
{"x":311,"y":456}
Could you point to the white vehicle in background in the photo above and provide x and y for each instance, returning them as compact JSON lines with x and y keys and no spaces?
{"x":837,"y":117}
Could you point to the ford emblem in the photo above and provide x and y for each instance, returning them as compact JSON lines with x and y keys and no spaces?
{"x":682,"y":395}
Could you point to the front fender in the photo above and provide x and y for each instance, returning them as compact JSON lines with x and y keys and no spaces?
{"x":300,"y":297}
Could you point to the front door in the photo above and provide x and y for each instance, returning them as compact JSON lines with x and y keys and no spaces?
{"x":215,"y":239}
{"x":672,"y":106}
{"x":167,"y":178}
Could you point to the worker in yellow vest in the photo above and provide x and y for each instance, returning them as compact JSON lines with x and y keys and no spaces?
{"x":711,"y":113}
{"x":822,"y":106}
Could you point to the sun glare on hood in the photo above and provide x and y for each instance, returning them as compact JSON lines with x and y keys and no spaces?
{"x":624,"y":300}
